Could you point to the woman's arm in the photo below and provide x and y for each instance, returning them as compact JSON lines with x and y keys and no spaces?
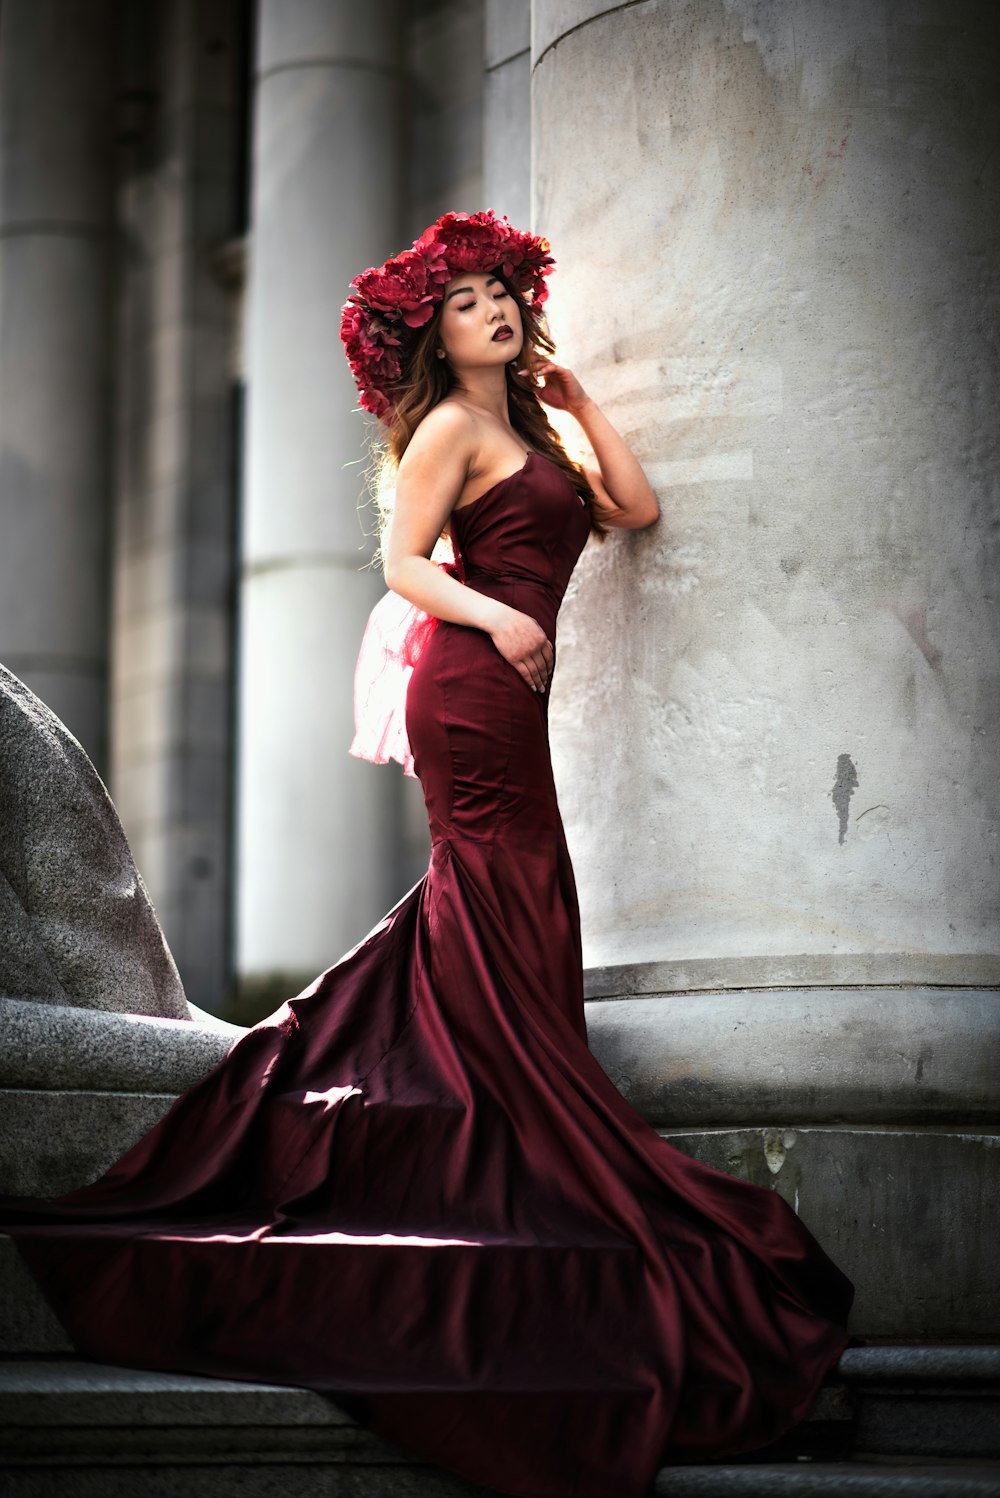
{"x":431,"y":475}
{"x":621,"y":490}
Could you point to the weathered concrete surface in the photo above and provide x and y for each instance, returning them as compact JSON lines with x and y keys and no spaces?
{"x":819,"y":1056}
{"x":777,"y":231}
{"x":911,"y":1216}
{"x":77,"y":924}
{"x":55,"y":1141}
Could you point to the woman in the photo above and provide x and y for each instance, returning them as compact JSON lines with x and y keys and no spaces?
{"x":412,"y":1187}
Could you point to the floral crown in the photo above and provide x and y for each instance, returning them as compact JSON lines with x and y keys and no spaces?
{"x":379,"y":323}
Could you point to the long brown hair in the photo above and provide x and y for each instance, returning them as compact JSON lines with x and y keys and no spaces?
{"x":426,"y":380}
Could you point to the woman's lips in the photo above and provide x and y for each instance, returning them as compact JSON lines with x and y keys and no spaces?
{"x":502,"y":333}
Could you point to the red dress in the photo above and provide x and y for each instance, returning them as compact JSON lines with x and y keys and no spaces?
{"x":413,"y":1189}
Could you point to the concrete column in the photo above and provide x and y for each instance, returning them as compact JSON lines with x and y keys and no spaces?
{"x":443,"y":49}
{"x":56,"y":159}
{"x":183,"y":76}
{"x":507,"y":109}
{"x":312,"y":821}
{"x":777,"y":230}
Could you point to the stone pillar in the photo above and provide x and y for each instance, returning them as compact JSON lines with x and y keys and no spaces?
{"x":312,"y":821}
{"x":184,"y":79}
{"x":777,"y":229}
{"x":443,"y":49}
{"x":507,"y":109}
{"x":56,"y":160}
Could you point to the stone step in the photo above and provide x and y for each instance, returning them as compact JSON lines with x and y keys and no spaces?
{"x":829,"y":1480}
{"x":354,"y":1477}
{"x":83,"y":1429}
{"x":941,"y":1401}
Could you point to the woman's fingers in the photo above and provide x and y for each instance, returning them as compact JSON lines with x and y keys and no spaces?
{"x":537,"y":668}
{"x":528,"y":649}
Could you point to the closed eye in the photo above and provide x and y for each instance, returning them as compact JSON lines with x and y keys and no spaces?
{"x":472,"y":304}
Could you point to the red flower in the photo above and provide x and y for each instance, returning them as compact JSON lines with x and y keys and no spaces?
{"x":397,"y":286}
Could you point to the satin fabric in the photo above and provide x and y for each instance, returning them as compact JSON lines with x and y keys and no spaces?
{"x":412,"y":1188}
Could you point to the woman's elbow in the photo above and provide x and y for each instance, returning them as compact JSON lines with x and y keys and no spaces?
{"x":392,"y":566}
{"x":396,"y":570}
{"x":638,"y":517}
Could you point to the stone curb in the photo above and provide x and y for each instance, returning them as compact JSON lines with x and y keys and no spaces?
{"x":55,"y":1047}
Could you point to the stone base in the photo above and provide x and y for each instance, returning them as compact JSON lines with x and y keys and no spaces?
{"x":911,"y":1216}
{"x":852,"y":1056}
{"x":873,"y":1111}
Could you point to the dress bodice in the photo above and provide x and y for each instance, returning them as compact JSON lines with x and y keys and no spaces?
{"x":530,"y":527}
{"x":519,"y":542}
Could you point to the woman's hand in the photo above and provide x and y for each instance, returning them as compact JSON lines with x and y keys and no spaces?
{"x":622,"y":493}
{"x":522,"y":641}
{"x":562,"y":389}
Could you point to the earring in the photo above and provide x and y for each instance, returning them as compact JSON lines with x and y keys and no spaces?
{"x":440,"y":353}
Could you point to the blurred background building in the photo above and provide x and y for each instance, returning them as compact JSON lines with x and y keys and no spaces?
{"x":775,"y":720}
{"x":186,"y":189}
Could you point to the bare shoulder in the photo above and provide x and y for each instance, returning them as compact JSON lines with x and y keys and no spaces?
{"x":435,"y":466}
{"x":447,"y":429}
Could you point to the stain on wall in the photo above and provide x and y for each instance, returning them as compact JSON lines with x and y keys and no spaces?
{"x":844,"y":786}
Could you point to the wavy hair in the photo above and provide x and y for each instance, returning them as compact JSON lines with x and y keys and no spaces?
{"x":426,"y":380}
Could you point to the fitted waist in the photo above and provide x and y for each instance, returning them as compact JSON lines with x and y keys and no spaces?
{"x":480,"y":578}
{"x":530,"y":595}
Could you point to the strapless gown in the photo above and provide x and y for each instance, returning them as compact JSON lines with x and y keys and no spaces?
{"x":413,"y":1189}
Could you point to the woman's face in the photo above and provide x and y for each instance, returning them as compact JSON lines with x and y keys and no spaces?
{"x":480,"y":323}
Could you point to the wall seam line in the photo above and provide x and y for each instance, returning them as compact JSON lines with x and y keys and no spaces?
{"x":612,"y":10}
{"x":494,"y":66}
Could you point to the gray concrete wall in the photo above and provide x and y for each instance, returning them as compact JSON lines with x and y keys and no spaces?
{"x":777,"y":231}
{"x":179,"y":203}
{"x":56,"y":172}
